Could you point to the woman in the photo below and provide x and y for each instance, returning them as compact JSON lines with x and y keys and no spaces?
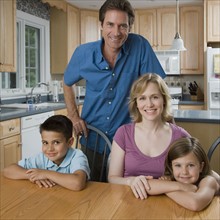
{"x":139,"y":148}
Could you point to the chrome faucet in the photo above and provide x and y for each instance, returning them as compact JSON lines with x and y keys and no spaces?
{"x":32,"y":90}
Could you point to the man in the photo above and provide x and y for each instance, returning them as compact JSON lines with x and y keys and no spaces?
{"x":109,"y":67}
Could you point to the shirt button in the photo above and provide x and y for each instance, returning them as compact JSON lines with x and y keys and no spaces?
{"x":110,"y":89}
{"x":107,"y":118}
{"x":113,"y":74}
{"x":106,"y":132}
{"x":106,"y":67}
{"x":109,"y":103}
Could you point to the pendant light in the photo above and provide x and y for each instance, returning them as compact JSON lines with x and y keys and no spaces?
{"x":177,"y":41}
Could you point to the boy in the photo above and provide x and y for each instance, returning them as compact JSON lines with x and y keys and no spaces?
{"x":58,"y":163}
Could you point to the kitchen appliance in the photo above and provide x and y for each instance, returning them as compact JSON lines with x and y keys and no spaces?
{"x":213,"y":77}
{"x":176,"y":95}
{"x":80,"y":92}
{"x":170,"y":61}
{"x":30,"y":135}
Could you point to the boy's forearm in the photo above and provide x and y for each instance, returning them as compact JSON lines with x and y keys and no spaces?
{"x":15,"y":171}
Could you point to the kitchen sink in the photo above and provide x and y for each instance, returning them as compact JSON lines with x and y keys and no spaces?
{"x":35,"y":105}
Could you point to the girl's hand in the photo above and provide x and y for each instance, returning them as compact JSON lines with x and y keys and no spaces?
{"x":165,"y":178}
{"x":139,"y":186}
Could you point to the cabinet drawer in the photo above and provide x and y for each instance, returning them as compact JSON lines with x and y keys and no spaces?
{"x":9,"y":128}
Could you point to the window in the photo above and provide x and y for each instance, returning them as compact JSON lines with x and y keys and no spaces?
{"x":33,"y":52}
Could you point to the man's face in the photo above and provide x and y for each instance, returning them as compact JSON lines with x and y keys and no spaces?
{"x":115,"y":29}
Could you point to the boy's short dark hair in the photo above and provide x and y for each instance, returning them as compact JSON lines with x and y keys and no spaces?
{"x":58,"y":123}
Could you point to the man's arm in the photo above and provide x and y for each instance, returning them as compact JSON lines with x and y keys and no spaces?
{"x":79,"y":125}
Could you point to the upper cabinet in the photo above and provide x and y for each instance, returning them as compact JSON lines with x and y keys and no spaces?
{"x":145,"y":25}
{"x":90,"y":28}
{"x":158,"y":26}
{"x":65,"y":36}
{"x":8,"y":36}
{"x":191,"y":31}
{"x":213,"y":20}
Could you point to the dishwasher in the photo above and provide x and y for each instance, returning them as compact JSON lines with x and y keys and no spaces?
{"x":30,"y":134}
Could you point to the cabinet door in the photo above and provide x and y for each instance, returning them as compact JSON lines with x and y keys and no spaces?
{"x":10,"y":150}
{"x":145,"y":25}
{"x":166,"y":27}
{"x":73,"y":33}
{"x":213,"y":21}
{"x":191,"y":107}
{"x":58,"y":40}
{"x":7,"y":36}
{"x":90,"y":28}
{"x":61,"y":112}
{"x":192,"y":33}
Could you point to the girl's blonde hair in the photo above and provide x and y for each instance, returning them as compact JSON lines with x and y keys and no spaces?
{"x":138,"y":88}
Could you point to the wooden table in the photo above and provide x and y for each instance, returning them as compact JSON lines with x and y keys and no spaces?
{"x":21,"y":199}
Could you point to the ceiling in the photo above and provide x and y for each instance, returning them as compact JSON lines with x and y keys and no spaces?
{"x":137,"y":4}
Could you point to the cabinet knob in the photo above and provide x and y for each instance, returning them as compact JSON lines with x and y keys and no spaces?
{"x":11,"y":129}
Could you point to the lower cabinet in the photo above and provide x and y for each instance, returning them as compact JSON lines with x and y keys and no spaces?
{"x":191,"y":107}
{"x":10,"y":144}
{"x":207,"y":133}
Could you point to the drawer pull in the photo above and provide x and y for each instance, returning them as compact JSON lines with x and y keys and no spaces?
{"x":11,"y":128}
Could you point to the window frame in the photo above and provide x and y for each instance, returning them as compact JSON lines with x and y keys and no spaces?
{"x":43,"y":25}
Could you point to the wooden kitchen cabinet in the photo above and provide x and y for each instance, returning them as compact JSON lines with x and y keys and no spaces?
{"x":90,"y":28}
{"x":207,"y":133}
{"x":61,"y":112}
{"x":191,"y":30}
{"x":158,"y":26}
{"x":213,"y":20}
{"x":8,"y":36}
{"x":65,"y":37}
{"x":10,"y":146}
{"x":191,"y":107}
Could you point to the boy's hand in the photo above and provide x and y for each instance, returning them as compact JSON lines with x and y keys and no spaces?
{"x":39,"y":177}
{"x":45,"y":183}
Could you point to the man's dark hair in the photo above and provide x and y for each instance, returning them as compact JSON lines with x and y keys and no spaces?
{"x":122,"y":5}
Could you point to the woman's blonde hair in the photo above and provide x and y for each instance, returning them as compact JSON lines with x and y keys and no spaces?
{"x":138,"y":88}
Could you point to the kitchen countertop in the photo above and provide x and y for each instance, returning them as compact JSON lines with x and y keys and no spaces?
{"x":11,"y":113}
{"x":201,"y":116}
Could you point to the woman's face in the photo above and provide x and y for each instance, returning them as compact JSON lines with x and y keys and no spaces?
{"x":150,"y":103}
{"x":187,"y":169}
{"x":115,"y":29}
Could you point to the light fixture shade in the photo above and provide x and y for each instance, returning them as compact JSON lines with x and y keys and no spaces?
{"x":178,"y":43}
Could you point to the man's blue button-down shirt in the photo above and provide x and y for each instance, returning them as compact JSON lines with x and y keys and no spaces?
{"x":107,"y":90}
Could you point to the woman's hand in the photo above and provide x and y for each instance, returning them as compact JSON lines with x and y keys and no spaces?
{"x":139,"y":186}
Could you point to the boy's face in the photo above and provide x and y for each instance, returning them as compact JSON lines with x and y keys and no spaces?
{"x":55,"y":146}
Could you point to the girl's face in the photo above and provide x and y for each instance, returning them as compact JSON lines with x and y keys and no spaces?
{"x":187,"y":169}
{"x":151,"y":104}
{"x":55,"y":146}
